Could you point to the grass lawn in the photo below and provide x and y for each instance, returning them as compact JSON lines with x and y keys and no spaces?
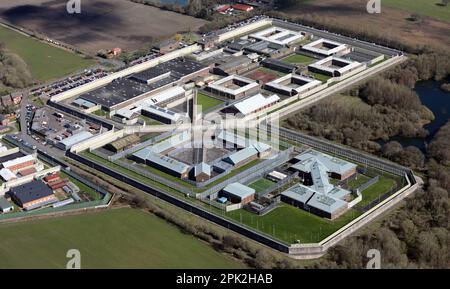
{"x":268,"y":70}
{"x":207,"y":102}
{"x":121,"y":238}
{"x":319,"y":76}
{"x":291,"y":224}
{"x":83,"y":188}
{"x":297,"y":58}
{"x":100,"y":112}
{"x":261,"y":184}
{"x":45,"y":61}
{"x":375,"y":190}
{"x":358,"y":181}
{"x":423,"y":7}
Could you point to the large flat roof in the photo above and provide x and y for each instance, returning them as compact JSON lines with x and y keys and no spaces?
{"x":239,"y":190}
{"x":255,"y":102}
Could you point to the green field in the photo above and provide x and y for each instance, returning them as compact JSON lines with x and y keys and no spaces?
{"x":319,"y":76}
{"x":301,"y":59}
{"x":374,"y":191}
{"x":289,"y":224}
{"x":207,"y":102}
{"x":261,"y":184}
{"x":429,"y":8}
{"x":357,"y":181}
{"x":121,"y":238}
{"x":45,"y":61}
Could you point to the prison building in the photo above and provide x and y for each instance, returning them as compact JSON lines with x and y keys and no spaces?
{"x":201,"y":172}
{"x":124,"y":92}
{"x":162,"y":114}
{"x":67,"y":143}
{"x":163,"y":163}
{"x":327,"y":207}
{"x":254,"y":104}
{"x":334,"y":66}
{"x":278,"y":35}
{"x":19,"y":163}
{"x":123,"y":143}
{"x":232,"y":65}
{"x":278,"y":65}
{"x":238,"y":193}
{"x":297,"y":196}
{"x":242,"y":157}
{"x":32,"y":195}
{"x":262,"y":148}
{"x":323,"y":47}
{"x":293,"y":84}
{"x":83,"y":104}
{"x":268,"y":49}
{"x":127,"y":113}
{"x":231,"y":140}
{"x":167,"y":96}
{"x":336,"y":168}
{"x":234,"y":87}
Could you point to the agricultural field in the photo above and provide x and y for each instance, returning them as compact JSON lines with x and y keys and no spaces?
{"x":120,"y":238}
{"x":45,"y":62}
{"x":392,"y":23}
{"x":102,"y":24}
{"x":207,"y":102}
{"x":289,"y":224}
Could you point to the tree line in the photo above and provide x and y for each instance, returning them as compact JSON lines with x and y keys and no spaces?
{"x":14,"y":72}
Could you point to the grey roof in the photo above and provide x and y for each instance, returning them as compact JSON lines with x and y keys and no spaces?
{"x":326,"y":203}
{"x":239,"y":190}
{"x":333,"y":164}
{"x":124,"y":89}
{"x":202,"y":168}
{"x":76,"y":138}
{"x":241,"y":155}
{"x":168,"y":163}
{"x":4,"y":204}
{"x":31,"y":191}
{"x":235,"y":61}
{"x":299,"y":193}
{"x":232,"y":138}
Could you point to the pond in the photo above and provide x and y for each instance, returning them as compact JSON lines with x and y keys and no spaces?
{"x":438,"y":101}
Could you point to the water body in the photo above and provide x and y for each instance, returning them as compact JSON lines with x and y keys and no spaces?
{"x":438,"y":101}
{"x":181,"y":3}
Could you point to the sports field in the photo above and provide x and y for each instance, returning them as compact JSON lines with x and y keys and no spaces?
{"x":44,"y":61}
{"x":289,"y":224}
{"x":431,"y":8}
{"x":207,"y":102}
{"x":120,"y":238}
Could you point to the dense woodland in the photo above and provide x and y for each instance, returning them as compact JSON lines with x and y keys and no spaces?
{"x":14,"y":72}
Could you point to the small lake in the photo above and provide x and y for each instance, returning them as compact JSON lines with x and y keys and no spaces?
{"x":438,"y":101}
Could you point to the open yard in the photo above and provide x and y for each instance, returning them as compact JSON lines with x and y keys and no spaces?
{"x":261,"y":184}
{"x":207,"y":102}
{"x":299,"y":59}
{"x":376,"y":190}
{"x":392,"y":23}
{"x":44,"y":61}
{"x":290,"y":224}
{"x":121,"y":238}
{"x":102,"y":24}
